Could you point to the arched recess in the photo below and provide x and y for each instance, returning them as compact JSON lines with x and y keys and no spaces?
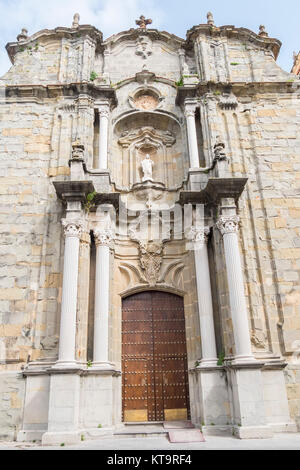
{"x":139,"y":133}
{"x":154,"y":358}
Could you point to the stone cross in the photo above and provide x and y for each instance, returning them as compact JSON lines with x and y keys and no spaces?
{"x":142,"y":22}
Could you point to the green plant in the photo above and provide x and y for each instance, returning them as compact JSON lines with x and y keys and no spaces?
{"x":221,"y":359}
{"x":212,"y":424}
{"x":234,"y":63}
{"x":89,"y":204}
{"x":180,"y":82}
{"x":89,"y":363}
{"x":62,"y":444}
{"x":203,"y":423}
{"x":217,"y":93}
{"x":99,"y":426}
{"x":291,"y":80}
{"x":82,"y":437}
{"x":93,"y":76}
{"x":197,"y":364}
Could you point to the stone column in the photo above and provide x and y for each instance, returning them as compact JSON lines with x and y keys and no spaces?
{"x":67,"y":341}
{"x":205,"y":306}
{"x":103,"y":237}
{"x":229,"y":227}
{"x":190,"y":109}
{"x":103,"y":135}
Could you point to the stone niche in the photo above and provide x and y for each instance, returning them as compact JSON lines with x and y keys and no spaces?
{"x":145,"y":132}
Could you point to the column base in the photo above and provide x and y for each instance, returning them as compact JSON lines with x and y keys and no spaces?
{"x":240,"y":360}
{"x":102,"y":366}
{"x":253,"y":432}
{"x":218,"y":430}
{"x":66,"y":365}
{"x":208,"y":363}
{"x":58,"y":438}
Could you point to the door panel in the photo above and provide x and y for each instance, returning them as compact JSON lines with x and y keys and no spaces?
{"x":154,"y":359}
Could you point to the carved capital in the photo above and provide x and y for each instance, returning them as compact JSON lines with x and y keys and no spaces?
{"x":103,"y":109}
{"x":73,"y":228}
{"x":198,"y":235}
{"x":104,"y":236}
{"x":189,"y":110}
{"x":228,"y":224}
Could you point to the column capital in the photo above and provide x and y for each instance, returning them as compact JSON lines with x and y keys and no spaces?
{"x":104,"y":236}
{"x":228,"y":224}
{"x":198,"y":234}
{"x":190,"y":108}
{"x":73,"y":228}
{"x":103,"y":108}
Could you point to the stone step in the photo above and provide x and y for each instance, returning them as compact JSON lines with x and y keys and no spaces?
{"x":141,"y":430}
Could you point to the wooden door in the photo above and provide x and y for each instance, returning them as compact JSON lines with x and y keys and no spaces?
{"x":154,"y":358}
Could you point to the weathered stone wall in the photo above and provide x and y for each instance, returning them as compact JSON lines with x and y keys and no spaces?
{"x":260,"y":129}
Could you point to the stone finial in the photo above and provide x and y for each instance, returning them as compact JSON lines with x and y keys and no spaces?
{"x":143,"y":22}
{"x":262,"y":31}
{"x":23,"y":35}
{"x":76,"y":19}
{"x":219,"y":150}
{"x":210,"y":19}
{"x":77,"y":150}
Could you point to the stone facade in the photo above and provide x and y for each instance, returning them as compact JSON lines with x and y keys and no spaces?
{"x":220,"y":121}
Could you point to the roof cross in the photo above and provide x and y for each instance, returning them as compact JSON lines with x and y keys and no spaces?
{"x":143,"y":22}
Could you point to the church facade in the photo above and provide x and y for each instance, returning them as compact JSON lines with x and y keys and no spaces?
{"x":150,"y":233}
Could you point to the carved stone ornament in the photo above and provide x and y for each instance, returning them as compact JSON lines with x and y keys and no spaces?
{"x":219,"y":153}
{"x":197,"y":235}
{"x":150,"y":259}
{"x":144,"y":47}
{"x":77,"y":150}
{"x":73,"y":228}
{"x":258,"y":339}
{"x":104,"y":236}
{"x":76,"y":19}
{"x":146,"y":102}
{"x":228,"y":224}
{"x":23,"y":35}
{"x":190,"y":109}
{"x":228,"y":101}
{"x":144,"y":133}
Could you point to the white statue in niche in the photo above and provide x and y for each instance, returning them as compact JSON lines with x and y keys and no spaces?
{"x":147,"y":167}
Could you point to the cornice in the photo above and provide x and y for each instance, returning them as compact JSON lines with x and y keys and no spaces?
{"x":57,"y":33}
{"x":230,"y":31}
{"x":238,"y":88}
{"x":53,"y":91}
{"x":154,"y":34}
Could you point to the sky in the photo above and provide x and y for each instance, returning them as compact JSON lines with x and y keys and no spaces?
{"x":281,"y":18}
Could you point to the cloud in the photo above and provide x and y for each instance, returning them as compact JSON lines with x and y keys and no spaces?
{"x":110,"y":16}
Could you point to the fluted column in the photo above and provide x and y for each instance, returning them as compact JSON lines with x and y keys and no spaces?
{"x":207,"y":329}
{"x":229,"y":227}
{"x":103,"y":238}
{"x":103,"y":135}
{"x":72,"y":231}
{"x":190,"y":109}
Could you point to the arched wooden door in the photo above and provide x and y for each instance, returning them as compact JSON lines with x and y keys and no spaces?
{"x":154,"y":358}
